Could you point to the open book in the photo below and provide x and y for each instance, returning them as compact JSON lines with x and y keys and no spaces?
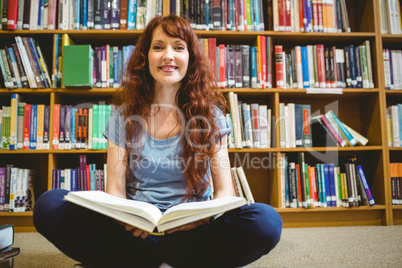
{"x":147,"y":216}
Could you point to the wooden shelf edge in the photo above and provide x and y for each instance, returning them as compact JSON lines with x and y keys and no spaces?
{"x":397,"y":207}
{"x":17,"y":214}
{"x":329,"y":209}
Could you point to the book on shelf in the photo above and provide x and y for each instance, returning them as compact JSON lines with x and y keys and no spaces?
{"x":147,"y":216}
{"x":396,"y":183}
{"x":81,"y":75}
{"x":323,"y":185}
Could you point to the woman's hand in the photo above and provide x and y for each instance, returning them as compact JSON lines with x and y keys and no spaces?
{"x":137,"y":232}
{"x":189,"y":226}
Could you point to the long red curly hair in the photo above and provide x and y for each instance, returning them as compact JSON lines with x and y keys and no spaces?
{"x":196,"y":99}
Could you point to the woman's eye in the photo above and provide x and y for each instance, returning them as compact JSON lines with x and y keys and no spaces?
{"x":180,"y":48}
{"x":156,"y":47}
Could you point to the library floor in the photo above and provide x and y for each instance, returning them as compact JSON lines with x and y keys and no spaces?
{"x":373,"y":246}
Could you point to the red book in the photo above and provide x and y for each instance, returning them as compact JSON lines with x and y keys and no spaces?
{"x":332,"y":131}
{"x":320,"y":65}
{"x":299,"y":191}
{"x":27,"y":126}
{"x":320,"y":16}
{"x":288,"y":16}
{"x":51,"y":19}
{"x":315,"y":15}
{"x":301,"y":17}
{"x":245,"y":14}
{"x":212,"y":55}
{"x":222,"y":61}
{"x":263,"y":55}
{"x":88,"y":179}
{"x":56,"y":126}
{"x":282,"y":15}
{"x":279,"y":66}
{"x":311,"y":182}
{"x":12,"y":15}
{"x":78,"y":128}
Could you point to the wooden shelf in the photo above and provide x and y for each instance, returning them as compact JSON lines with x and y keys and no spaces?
{"x":52,"y":151}
{"x":329,"y":209}
{"x":16,"y":214}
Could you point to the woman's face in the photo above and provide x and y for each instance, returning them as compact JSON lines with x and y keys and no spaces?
{"x":168,"y":59}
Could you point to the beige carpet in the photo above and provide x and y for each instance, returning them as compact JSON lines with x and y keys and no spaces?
{"x":376,"y":246}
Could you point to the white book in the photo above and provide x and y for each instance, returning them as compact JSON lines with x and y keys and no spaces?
{"x":263,"y":120}
{"x":395,"y":126}
{"x":244,"y":183}
{"x":311,"y":65}
{"x":292,"y":125}
{"x":269,"y":115}
{"x":147,"y":216}
{"x":283,"y":180}
{"x":387,"y":75}
{"x":33,"y":17}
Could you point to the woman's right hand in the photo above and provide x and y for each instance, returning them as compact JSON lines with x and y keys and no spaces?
{"x":137,"y":232}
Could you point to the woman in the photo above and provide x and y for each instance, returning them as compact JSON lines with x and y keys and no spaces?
{"x":166,"y":145}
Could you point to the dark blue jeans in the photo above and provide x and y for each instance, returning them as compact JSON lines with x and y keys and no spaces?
{"x":237,"y":238}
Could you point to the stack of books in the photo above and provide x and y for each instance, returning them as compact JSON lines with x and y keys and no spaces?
{"x":7,"y":252}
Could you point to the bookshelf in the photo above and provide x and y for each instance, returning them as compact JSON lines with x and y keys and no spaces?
{"x":362,"y":109}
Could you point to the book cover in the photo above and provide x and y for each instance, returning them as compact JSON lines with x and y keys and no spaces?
{"x":77,"y":76}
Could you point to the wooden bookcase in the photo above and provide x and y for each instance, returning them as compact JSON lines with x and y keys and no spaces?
{"x":362,"y":109}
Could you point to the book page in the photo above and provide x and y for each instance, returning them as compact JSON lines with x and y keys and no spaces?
{"x":189,"y":212}
{"x":142,"y":209}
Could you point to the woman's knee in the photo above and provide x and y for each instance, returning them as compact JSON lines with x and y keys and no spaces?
{"x":266,"y":224}
{"x":48,"y":209}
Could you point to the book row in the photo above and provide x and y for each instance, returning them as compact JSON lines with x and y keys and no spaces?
{"x":78,"y":14}
{"x":390,"y":13}
{"x":240,"y":184}
{"x":16,"y":189}
{"x":230,"y":15}
{"x":86,"y":177}
{"x":392,"y":68}
{"x":101,"y":67}
{"x":23,"y":66}
{"x":310,"y":16}
{"x":394,"y":125}
{"x":253,"y":124}
{"x":297,"y":128}
{"x":27,"y":126}
{"x":396,"y":183}
{"x":316,"y":66}
{"x":323,"y":185}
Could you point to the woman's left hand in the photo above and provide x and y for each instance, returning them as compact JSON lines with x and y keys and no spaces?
{"x":189,"y":226}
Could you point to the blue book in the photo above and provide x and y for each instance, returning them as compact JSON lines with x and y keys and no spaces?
{"x":253,"y":65}
{"x":92,"y":168}
{"x":116,"y":67}
{"x":342,"y":128}
{"x":74,"y":179}
{"x":207,"y":14}
{"x":46,"y":127}
{"x":115,"y":14}
{"x":327,"y":181}
{"x":352,"y":65}
{"x":287,"y":196}
{"x":319,"y":184}
{"x":332,"y":184}
{"x":77,"y":16}
{"x":359,"y":78}
{"x":309,"y":16}
{"x":73,"y":123}
{"x":106,"y":13}
{"x":54,"y":178}
{"x":132,"y":15}
{"x":364,"y":183}
{"x":40,"y":15}
{"x":231,"y":25}
{"x":32,"y":134}
{"x":14,"y":63}
{"x":67,"y":127}
{"x":84,"y":14}
{"x":120,"y":66}
{"x":304,"y":59}
{"x":299,"y":125}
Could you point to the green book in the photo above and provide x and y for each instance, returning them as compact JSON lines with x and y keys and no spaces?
{"x":78,"y":66}
{"x":95,"y":127}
